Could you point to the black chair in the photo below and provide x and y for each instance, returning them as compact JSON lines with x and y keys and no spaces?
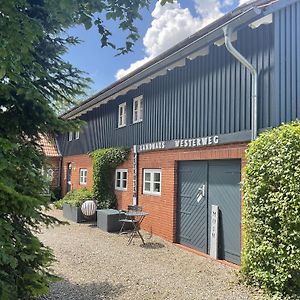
{"x":124,"y":219}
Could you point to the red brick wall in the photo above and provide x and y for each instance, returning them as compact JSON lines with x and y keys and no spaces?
{"x":162,"y":209}
{"x":78,"y":162}
{"x":54,"y":164}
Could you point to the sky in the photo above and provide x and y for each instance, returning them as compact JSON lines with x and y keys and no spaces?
{"x":161,"y":28}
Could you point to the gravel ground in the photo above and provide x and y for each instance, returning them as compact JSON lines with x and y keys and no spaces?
{"x":99,"y":265}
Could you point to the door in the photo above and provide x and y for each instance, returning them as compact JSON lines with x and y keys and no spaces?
{"x":202,"y":184}
{"x":192,"y":207}
{"x":224,"y":190}
{"x":69,"y":177}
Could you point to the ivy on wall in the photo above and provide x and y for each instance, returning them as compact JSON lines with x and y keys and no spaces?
{"x":105,"y":162}
{"x":271,"y":254}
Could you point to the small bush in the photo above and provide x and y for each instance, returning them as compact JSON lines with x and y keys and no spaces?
{"x":271,"y":255}
{"x":104,"y":163}
{"x":75,"y":198}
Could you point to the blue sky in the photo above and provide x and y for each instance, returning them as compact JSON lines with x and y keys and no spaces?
{"x":161,"y":28}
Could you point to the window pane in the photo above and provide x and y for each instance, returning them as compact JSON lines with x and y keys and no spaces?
{"x":124,"y":185}
{"x":147,"y":186}
{"x":118,"y":183}
{"x":147,"y":176}
{"x":125,"y":175}
{"x":156,"y":187}
{"x":136,"y":104}
{"x":157,"y":177}
{"x":141,"y":109}
{"x":118,"y":175}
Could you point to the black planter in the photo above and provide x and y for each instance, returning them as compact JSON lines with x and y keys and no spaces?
{"x":74,"y":214}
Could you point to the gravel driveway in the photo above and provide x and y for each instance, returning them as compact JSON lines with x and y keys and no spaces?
{"x":99,"y":265}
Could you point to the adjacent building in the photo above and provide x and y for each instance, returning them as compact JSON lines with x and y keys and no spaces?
{"x":188,"y":116}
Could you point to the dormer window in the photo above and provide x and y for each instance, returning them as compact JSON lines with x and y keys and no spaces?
{"x":122,"y":115}
{"x":137,"y":109}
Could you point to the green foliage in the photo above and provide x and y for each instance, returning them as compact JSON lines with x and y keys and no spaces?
{"x":271,"y":255}
{"x":104,"y":163}
{"x":34,"y":83}
{"x":75,"y":198}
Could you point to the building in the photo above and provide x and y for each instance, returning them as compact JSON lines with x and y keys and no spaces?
{"x":53,"y":160}
{"x":188,"y":116}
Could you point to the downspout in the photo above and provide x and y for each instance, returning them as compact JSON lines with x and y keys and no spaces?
{"x":247,"y":64}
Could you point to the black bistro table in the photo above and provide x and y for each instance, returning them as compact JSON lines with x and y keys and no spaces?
{"x":138,"y":216}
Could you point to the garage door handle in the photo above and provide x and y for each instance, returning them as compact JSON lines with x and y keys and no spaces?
{"x":201,"y":193}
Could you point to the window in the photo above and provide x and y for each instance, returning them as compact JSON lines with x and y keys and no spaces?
{"x":122,"y":115}
{"x":70,"y":136}
{"x":82,"y":176}
{"x":121,"y":179}
{"x":137,"y":109}
{"x":152,"y":181}
{"x":77,"y":135}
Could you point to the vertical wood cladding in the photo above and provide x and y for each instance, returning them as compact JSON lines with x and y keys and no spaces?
{"x":208,"y":96}
{"x":287,"y":64}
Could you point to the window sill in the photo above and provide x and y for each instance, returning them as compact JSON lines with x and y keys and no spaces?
{"x":121,"y":190}
{"x":121,"y":126}
{"x":136,"y":122}
{"x":151,"y":194}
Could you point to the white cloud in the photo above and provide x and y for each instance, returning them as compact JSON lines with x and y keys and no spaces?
{"x":171,"y":24}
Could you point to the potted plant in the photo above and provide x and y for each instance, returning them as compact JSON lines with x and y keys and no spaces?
{"x":71,"y":205}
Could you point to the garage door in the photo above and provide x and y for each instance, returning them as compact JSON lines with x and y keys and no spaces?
{"x":200,"y":185}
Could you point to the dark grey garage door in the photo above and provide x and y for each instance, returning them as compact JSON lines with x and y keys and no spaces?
{"x":200,"y":185}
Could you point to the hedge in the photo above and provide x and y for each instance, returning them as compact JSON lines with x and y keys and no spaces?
{"x":75,"y":198}
{"x":271,"y":252}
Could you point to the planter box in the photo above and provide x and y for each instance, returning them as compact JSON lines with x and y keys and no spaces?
{"x":74,"y":214}
{"x":108,"y":220}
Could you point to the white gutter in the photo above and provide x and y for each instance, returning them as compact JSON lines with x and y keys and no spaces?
{"x":247,"y":64}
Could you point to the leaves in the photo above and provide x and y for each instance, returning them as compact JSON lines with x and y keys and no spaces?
{"x":104,"y":163}
{"x":271,"y":254}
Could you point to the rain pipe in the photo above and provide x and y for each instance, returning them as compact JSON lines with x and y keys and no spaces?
{"x":247,"y":64}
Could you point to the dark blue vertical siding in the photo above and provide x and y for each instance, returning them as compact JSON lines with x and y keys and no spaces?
{"x":209,"y":95}
{"x":287,"y":64}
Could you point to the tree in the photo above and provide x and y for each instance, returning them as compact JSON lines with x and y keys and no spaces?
{"x":34,"y":81}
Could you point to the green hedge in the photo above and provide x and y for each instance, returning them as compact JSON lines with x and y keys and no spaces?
{"x":271,"y":255}
{"x":75,"y":198}
{"x":104,"y":163}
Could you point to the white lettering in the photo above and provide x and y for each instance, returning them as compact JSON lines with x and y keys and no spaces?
{"x":209,"y":140}
{"x":216,"y":139}
{"x":204,"y":141}
{"x":198,"y":142}
{"x":185,"y":143}
{"x":177,"y":143}
{"x":163,"y":145}
{"x":194,"y":142}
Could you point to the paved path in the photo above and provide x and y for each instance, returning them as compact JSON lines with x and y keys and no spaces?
{"x":99,"y":265}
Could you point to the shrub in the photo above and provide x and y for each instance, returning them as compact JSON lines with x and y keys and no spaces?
{"x":104,"y":163}
{"x":75,"y":198}
{"x":271,"y":254}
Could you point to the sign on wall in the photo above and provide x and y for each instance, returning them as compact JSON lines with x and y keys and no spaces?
{"x":135,"y":176}
{"x":214,"y":231}
{"x":196,"y":142}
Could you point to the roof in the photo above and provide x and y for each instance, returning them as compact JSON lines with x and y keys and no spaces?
{"x":49,"y":146}
{"x":190,"y":48}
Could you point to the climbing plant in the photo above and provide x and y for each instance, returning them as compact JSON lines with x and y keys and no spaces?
{"x":104,"y":163}
{"x":271,"y":255}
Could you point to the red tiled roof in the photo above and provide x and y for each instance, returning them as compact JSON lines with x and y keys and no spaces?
{"x":49,"y":146}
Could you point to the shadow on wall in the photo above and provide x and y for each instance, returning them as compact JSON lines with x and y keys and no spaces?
{"x":64,"y":290}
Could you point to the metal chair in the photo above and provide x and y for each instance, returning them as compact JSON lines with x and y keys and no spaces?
{"x":128,"y":219}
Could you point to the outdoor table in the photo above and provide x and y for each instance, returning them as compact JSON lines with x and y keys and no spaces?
{"x":139,"y":217}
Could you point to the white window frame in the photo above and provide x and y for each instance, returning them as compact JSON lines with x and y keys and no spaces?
{"x":122,"y":117}
{"x":152,"y":172}
{"x":139,"y":101}
{"x":70,"y":136}
{"x":121,"y":171}
{"x":77,"y":135}
{"x":83,"y":176}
